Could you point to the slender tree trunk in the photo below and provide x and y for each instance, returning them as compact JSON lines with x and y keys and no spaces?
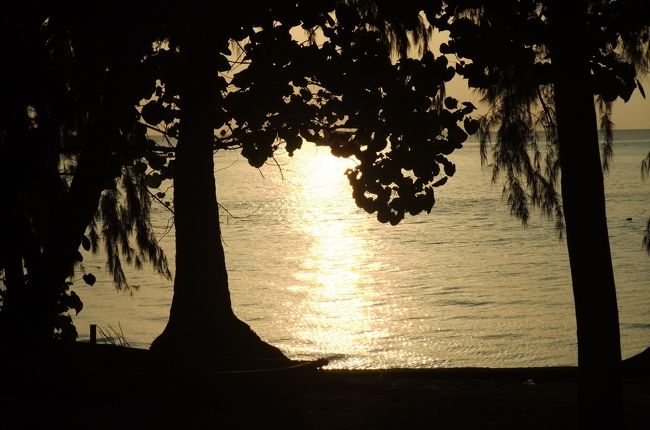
{"x":201,"y":323}
{"x":11,"y":248}
{"x":12,"y":221}
{"x":70,"y":220}
{"x":34,"y":304}
{"x":78,"y":207}
{"x":583,"y":197}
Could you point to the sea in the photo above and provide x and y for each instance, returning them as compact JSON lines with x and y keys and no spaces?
{"x":464,"y":286}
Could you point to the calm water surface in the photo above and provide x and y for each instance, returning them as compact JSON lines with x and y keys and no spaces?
{"x":466,"y":285}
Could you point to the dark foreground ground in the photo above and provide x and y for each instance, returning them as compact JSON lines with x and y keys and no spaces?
{"x":41,"y":392}
{"x":459,"y":399}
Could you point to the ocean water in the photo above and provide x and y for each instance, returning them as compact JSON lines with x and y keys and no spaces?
{"x":466,"y":285}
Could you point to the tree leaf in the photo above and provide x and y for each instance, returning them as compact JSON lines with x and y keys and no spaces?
{"x":74,"y":302}
{"x":640,"y":87}
{"x":85,"y":243}
{"x":440,"y":182}
{"x":156,"y":161}
{"x":450,"y":168}
{"x":89,"y":279}
{"x":153,"y":113}
{"x":451,"y":103}
{"x":139,"y":167}
{"x":223,"y":65}
{"x":450,"y":72}
{"x":153,"y":181}
{"x":471,"y":125}
{"x":470,"y":105}
{"x":305,"y":94}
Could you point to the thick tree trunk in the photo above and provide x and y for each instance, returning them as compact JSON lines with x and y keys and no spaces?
{"x":202,"y":325}
{"x":583,"y":197}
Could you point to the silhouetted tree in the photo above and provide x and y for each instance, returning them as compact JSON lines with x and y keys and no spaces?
{"x":69,"y":106}
{"x":202,"y":325}
{"x":290,"y":91}
{"x":345,"y":93}
{"x":541,"y":64}
{"x":583,"y":202}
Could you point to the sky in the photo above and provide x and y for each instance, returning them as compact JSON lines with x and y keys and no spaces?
{"x":635,"y":114}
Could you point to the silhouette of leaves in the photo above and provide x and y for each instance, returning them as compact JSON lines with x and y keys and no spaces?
{"x":74,"y":302}
{"x":347,"y":94}
{"x":153,"y":113}
{"x":89,"y":279}
{"x":153,"y":180}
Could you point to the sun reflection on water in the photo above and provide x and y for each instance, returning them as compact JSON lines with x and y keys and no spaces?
{"x":336,"y":310}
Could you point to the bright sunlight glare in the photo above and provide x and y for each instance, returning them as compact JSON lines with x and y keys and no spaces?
{"x":338,"y":301}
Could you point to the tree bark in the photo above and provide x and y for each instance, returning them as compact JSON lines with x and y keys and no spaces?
{"x":202,"y":325}
{"x":583,"y":200}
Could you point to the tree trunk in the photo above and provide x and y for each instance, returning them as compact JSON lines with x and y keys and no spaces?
{"x":78,"y":207}
{"x":12,"y":226}
{"x":70,"y":220}
{"x":202,"y":325}
{"x":583,"y":197}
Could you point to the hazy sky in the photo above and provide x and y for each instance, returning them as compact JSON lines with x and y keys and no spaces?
{"x":636,"y":112}
{"x":633,"y":114}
